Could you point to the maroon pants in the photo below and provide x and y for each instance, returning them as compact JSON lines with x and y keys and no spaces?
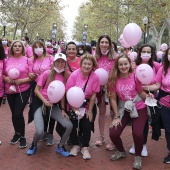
{"x":138,"y":127}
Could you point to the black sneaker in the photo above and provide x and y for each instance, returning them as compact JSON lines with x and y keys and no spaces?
{"x":167,"y":159}
{"x":23,"y":143}
{"x":15,"y":139}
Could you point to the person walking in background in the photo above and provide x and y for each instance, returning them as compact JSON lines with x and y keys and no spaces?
{"x":58,"y":72}
{"x":28,"y":48}
{"x":123,"y":85}
{"x":5,"y":45}
{"x":18,"y":89}
{"x":105,"y":58}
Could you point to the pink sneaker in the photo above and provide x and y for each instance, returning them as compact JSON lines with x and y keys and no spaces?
{"x":110,"y":147}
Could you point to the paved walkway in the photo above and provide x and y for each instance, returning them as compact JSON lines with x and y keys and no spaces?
{"x":13,"y":158}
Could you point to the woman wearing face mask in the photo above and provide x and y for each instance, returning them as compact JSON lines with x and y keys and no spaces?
{"x":5,"y":45}
{"x":49,"y":48}
{"x":163,"y":84}
{"x":42,"y":62}
{"x":58,"y":71}
{"x":81,"y":50}
{"x":146,"y":56}
{"x":105,"y":58}
{"x":28,"y":49}
{"x":18,"y":89}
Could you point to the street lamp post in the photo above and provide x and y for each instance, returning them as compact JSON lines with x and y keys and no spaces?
{"x":54,"y":32}
{"x":37,"y":35}
{"x":84,"y":36}
{"x":145,"y":22}
{"x":4,"y":23}
{"x":26,"y":32}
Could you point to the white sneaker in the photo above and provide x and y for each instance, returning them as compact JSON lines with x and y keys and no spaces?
{"x":85,"y":152}
{"x":75,"y":149}
{"x":132,"y":149}
{"x":144,"y":151}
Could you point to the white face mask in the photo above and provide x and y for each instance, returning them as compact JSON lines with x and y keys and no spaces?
{"x":169,"y":58}
{"x":81,"y":51}
{"x":4,"y":42}
{"x":150,"y":102}
{"x":118,"y":52}
{"x":145,"y":56}
{"x":59,"y":71}
{"x":38,"y":51}
{"x":23,"y":42}
{"x":104,"y":52}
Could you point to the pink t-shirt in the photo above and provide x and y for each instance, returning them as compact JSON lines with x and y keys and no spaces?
{"x":43,"y":82}
{"x":74,"y":65}
{"x":127,"y":89}
{"x":164,"y":80}
{"x":1,"y":79}
{"x":28,"y":50}
{"x":39,"y":66}
{"x":76,"y":79}
{"x":23,"y":65}
{"x":105,"y":63}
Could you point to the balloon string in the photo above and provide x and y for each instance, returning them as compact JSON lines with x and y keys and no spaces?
{"x":49,"y":119}
{"x":20,"y":94}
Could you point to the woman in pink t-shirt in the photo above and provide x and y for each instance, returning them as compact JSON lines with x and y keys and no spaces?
{"x":5,"y":45}
{"x":2,"y":57}
{"x":163,"y":84}
{"x":18,"y":89}
{"x":146,"y":55}
{"x":123,"y":85}
{"x":58,"y":71}
{"x":86,"y":79}
{"x":42,"y":62}
{"x":105,"y":56}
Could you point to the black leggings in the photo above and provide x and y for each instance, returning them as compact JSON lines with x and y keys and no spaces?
{"x":17,"y":107}
{"x":1,"y":100}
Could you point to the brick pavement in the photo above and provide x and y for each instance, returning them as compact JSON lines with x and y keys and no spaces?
{"x":13,"y":158}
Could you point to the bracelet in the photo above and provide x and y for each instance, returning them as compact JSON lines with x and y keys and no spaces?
{"x":115,"y":117}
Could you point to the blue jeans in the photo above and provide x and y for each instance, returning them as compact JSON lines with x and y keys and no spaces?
{"x":165,"y":117}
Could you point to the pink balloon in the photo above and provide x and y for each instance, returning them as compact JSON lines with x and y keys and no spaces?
{"x":133,"y":55}
{"x":132,"y":34}
{"x":55,"y":91}
{"x":123,"y":42}
{"x":164,"y":47}
{"x":121,"y":38}
{"x":103,"y":75}
{"x":144,"y":73}
{"x":159,"y":54}
{"x":75,"y":96}
{"x":13,"y":73}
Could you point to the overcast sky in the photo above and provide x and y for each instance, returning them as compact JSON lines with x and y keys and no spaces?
{"x":70,"y":12}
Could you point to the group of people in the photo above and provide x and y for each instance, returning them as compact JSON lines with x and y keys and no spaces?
{"x":124,"y":93}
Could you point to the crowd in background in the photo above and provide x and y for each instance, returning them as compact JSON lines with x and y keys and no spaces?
{"x":36,"y":65}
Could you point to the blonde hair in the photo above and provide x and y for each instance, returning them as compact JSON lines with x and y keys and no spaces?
{"x":88,"y":56}
{"x":11,"y":52}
